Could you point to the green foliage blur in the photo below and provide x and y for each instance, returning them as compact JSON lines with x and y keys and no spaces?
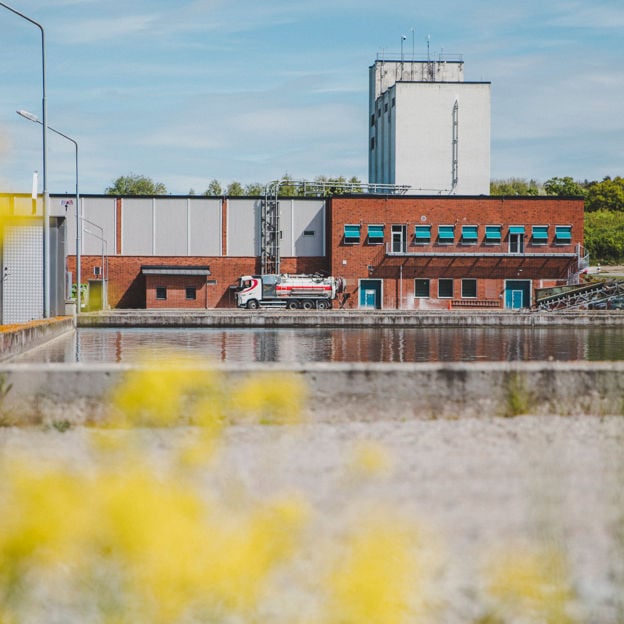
{"x":134,"y":184}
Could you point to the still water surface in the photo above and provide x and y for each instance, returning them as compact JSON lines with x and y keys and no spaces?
{"x":336,"y":345}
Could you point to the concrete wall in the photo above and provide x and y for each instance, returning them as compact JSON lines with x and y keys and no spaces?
{"x":412,"y":125}
{"x":349,"y":392}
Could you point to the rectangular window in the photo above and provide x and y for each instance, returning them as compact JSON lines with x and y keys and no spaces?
{"x":308,"y":232}
{"x":470,"y":233}
{"x":372,"y":120}
{"x":469,"y":288}
{"x":372,"y":143}
{"x":516,"y":229}
{"x":445,"y":288}
{"x":161,"y":293}
{"x":421,"y":288}
{"x":422,"y":233}
{"x":492,"y":233}
{"x":351,"y":234}
{"x":375,"y":234}
{"x":446,"y":233}
{"x":539,"y":234}
{"x":191,"y":292}
{"x":563,"y":233}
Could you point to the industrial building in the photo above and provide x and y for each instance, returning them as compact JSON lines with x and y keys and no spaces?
{"x":429,"y":129}
{"x":22,"y":255}
{"x":395,"y":252}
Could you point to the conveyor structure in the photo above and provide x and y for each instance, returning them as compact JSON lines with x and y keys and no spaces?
{"x":604,"y":294}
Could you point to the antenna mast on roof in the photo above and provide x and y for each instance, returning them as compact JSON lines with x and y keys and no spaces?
{"x":429,"y":63}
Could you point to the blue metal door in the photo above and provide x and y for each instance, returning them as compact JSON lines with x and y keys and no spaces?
{"x":370,"y":294}
{"x":517,"y":294}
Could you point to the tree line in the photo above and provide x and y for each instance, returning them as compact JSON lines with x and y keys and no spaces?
{"x":604,"y":201}
{"x":134,"y":184}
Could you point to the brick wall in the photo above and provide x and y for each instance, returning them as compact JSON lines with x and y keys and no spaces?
{"x":364,"y":260}
{"x":127,"y":286}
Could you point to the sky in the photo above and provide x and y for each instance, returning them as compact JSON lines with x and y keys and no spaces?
{"x":188,"y":91}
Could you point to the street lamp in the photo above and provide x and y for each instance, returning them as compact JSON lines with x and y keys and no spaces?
{"x":46,"y":198}
{"x":35,"y":119}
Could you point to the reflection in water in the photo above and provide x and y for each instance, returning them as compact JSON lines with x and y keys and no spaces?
{"x":336,"y":345}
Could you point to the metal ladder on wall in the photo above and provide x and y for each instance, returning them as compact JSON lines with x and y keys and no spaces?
{"x":270,"y":233}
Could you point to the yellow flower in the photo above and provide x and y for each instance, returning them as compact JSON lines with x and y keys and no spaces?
{"x":272,"y":398}
{"x":531,"y":584}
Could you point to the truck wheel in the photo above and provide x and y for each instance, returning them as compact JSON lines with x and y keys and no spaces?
{"x":307,"y":305}
{"x":322,"y":305}
{"x":292,"y":305}
{"x":252,"y":304}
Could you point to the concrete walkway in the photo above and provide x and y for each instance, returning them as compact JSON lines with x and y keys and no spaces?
{"x":224,"y":317}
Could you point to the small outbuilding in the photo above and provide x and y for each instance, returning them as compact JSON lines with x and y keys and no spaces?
{"x":168,"y":286}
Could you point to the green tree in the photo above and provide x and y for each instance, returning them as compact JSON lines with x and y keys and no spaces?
{"x":214,"y":188}
{"x":514,"y":186}
{"x":287,"y":189}
{"x":255,"y":188}
{"x":604,"y":236}
{"x":134,"y":184}
{"x":235,"y":189}
{"x":564,"y":187}
{"x":605,"y":195}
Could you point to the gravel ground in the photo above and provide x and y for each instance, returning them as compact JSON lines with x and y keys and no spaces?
{"x":476,"y":485}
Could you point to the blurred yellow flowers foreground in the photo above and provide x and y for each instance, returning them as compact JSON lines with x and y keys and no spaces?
{"x":127,"y":540}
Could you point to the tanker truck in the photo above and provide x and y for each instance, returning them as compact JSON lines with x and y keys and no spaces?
{"x":288,"y":291}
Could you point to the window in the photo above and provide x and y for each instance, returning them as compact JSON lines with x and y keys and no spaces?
{"x":421,"y":288}
{"x":422,"y":234}
{"x":470,"y":234}
{"x":563,"y":233}
{"x":399,"y":236}
{"x":492,"y":233}
{"x":446,"y":233}
{"x":351,"y":234}
{"x":385,"y":107}
{"x":191,"y":292}
{"x":375,"y":234}
{"x":308,"y":232}
{"x":161,"y":292}
{"x":445,"y":288}
{"x":516,"y":239}
{"x":469,"y":288}
{"x":372,"y":143}
{"x":372,"y":120}
{"x":539,"y":234}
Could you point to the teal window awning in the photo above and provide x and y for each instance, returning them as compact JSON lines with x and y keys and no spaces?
{"x":540,"y":233}
{"x":470,"y":232}
{"x":376,"y":232}
{"x":446,"y":232}
{"x":352,"y":232}
{"x":516,"y":229}
{"x":563,"y":232}
{"x":493,"y":232}
{"x":422,"y":232}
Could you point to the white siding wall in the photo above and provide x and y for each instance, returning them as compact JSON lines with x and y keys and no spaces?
{"x":424,"y":135}
{"x":243,"y":227}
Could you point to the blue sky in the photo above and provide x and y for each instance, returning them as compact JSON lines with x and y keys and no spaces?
{"x":192,"y":90}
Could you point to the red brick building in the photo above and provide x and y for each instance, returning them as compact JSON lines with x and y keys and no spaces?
{"x":395,"y":252}
{"x":453,"y":252}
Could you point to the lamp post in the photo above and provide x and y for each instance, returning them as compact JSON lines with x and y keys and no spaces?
{"x":46,"y":198}
{"x":35,"y":119}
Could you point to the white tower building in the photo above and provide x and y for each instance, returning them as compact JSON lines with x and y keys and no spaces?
{"x":429,"y":129}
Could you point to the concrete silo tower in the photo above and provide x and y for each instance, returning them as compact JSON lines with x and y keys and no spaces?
{"x":428,"y":128}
